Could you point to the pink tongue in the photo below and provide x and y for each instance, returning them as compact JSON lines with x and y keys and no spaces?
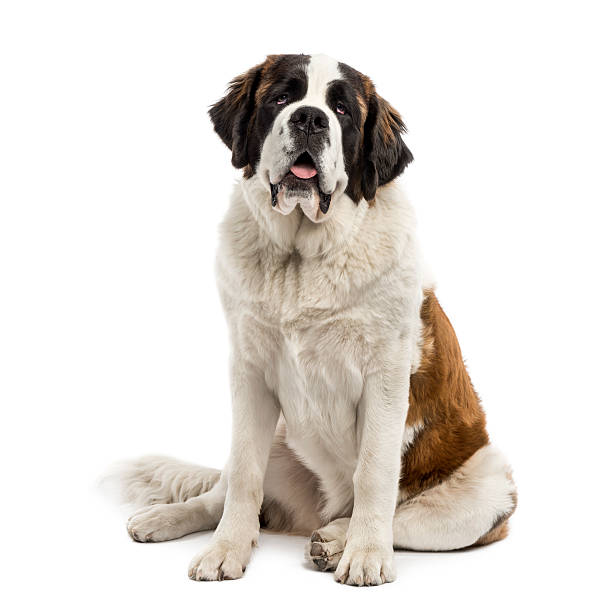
{"x":303,"y":171}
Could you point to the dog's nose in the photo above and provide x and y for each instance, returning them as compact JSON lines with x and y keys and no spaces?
{"x":310,"y":120}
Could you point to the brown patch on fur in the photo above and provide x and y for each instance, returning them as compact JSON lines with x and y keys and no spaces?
{"x":369,"y":91}
{"x":390,"y":121}
{"x":268,"y":77}
{"x":427,"y":349}
{"x":500,"y":532}
{"x":363,"y":100}
{"x":443,"y":398}
{"x":500,"y":529}
{"x":240,"y":87}
{"x":363,"y":111}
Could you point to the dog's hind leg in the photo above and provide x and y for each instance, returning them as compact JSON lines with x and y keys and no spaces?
{"x":182,"y":498}
{"x":160,"y":522}
{"x":471,"y":507}
{"x":173,"y":498}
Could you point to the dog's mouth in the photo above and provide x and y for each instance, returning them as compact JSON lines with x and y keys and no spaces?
{"x":301,"y":187}
{"x":304,"y":167}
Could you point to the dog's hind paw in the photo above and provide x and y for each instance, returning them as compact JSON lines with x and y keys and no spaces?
{"x":327,"y":543}
{"x":158,"y":523}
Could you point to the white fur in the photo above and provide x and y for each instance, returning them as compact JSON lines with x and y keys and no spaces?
{"x":155,"y":479}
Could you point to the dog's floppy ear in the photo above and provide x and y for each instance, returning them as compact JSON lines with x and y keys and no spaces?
{"x":231,"y":115}
{"x":385,"y":153}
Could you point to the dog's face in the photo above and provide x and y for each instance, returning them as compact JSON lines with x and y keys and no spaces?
{"x":311,"y":128}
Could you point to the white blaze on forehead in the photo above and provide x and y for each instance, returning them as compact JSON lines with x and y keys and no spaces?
{"x":321,"y":70}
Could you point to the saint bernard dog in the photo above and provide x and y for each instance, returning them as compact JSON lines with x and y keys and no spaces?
{"x":354,"y":418}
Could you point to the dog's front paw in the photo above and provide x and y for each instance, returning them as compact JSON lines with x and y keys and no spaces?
{"x":220,"y":561}
{"x":365,"y":565}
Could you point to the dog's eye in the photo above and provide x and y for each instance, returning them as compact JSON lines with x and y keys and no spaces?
{"x":283,"y":99}
{"x":341,"y":109}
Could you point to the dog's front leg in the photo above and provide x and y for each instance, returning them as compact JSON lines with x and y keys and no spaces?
{"x":255,"y":414}
{"x":368,"y":554}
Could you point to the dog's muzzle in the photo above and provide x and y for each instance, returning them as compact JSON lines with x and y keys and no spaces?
{"x":301,"y":187}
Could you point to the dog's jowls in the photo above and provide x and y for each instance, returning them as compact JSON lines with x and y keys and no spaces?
{"x":354,"y":419}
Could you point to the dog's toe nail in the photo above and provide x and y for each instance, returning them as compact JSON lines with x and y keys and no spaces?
{"x":321,"y":563}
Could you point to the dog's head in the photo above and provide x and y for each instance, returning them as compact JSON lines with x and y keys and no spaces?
{"x":311,"y":128}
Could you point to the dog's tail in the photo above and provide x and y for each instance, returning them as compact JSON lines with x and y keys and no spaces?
{"x":155,"y":479}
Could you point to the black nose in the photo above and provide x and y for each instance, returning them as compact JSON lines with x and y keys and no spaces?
{"x":310,"y":120}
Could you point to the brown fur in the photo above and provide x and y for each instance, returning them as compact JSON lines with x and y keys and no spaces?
{"x":444,"y":400}
{"x":268,"y":77}
{"x":500,"y":529}
{"x":500,"y":532}
{"x":389,"y":120}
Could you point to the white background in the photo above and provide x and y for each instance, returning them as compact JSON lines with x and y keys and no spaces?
{"x":112,"y":342}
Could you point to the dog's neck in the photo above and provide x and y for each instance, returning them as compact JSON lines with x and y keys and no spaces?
{"x":263,"y":248}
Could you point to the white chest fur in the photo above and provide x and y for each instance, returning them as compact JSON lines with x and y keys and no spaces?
{"x":316,"y":324}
